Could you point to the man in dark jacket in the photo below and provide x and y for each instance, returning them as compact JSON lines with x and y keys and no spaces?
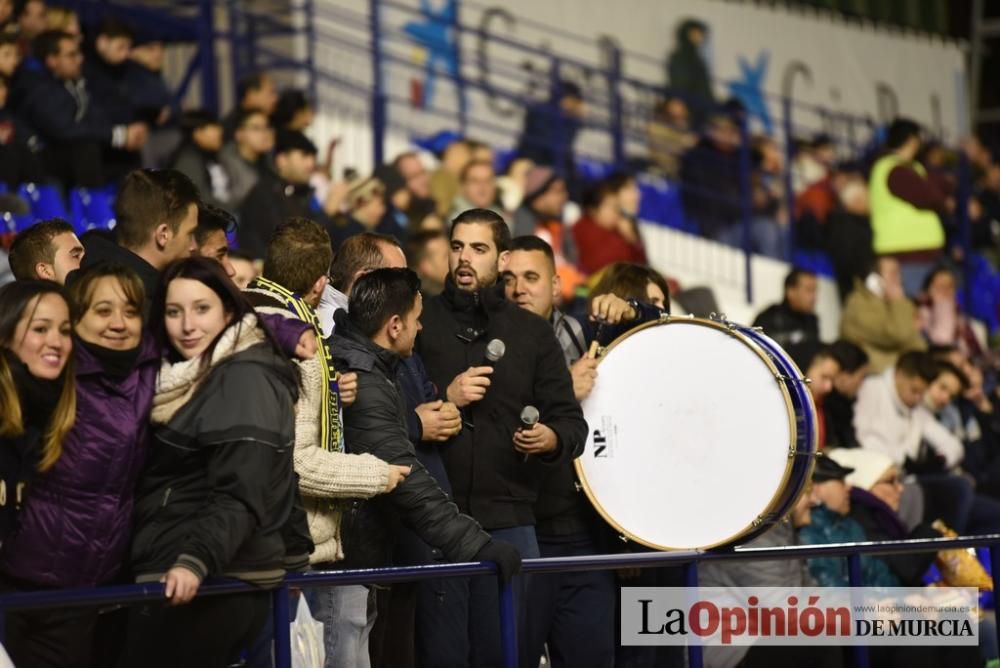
{"x":157,"y":213}
{"x":281,"y":196}
{"x":550,"y":129}
{"x":793,"y":322}
{"x":838,"y":407}
{"x":106,"y":72}
{"x":67,"y":114}
{"x":570,"y":612}
{"x":371,"y":338}
{"x":687,"y":71}
{"x":710,"y":181}
{"x":494,"y":464}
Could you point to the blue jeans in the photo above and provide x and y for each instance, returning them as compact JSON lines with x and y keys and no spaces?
{"x":462,"y":627}
{"x":348,"y":614}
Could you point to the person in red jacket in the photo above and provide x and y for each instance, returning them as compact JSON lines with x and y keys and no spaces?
{"x":604,"y":235}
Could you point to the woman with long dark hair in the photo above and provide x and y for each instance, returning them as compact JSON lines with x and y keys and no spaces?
{"x":218,"y":493}
{"x":37,"y":408}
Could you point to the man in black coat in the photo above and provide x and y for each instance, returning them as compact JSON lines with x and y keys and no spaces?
{"x":494,"y":465}
{"x":105,"y":69}
{"x":157,"y":214}
{"x":278,"y":197}
{"x":69,"y":118}
{"x":792,"y":323}
{"x":371,"y":339}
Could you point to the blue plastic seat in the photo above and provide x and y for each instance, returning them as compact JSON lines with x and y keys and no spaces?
{"x":92,"y":209}
{"x":45,"y":201}
{"x":817,"y":262}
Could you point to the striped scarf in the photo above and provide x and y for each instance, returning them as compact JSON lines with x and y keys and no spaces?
{"x":331,"y":433}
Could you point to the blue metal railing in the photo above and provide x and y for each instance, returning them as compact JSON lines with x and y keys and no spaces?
{"x":689,"y":560}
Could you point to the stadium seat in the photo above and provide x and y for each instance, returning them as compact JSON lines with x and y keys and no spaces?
{"x":817,"y":262}
{"x":92,"y":209}
{"x":45,"y":200}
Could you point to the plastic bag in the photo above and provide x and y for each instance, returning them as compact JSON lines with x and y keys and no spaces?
{"x":308,"y":650}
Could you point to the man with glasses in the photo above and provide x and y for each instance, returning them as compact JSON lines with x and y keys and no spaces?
{"x":245,"y":158}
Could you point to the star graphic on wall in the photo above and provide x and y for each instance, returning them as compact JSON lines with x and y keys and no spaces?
{"x":749,"y":88}
{"x":436,"y":36}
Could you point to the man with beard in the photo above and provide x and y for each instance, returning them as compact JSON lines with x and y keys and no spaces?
{"x":495,"y":463}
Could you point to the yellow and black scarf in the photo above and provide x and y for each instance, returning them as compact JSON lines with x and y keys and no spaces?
{"x":262,"y":291}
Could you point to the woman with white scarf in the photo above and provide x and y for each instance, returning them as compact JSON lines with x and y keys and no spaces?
{"x":218,"y":497}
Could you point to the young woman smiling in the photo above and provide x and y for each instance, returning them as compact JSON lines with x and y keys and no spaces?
{"x":219,"y":488}
{"x":37,"y":405}
{"x":37,"y":410}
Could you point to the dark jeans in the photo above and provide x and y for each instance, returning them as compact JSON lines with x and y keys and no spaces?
{"x":573,"y":612}
{"x":768,"y":656}
{"x":51,"y":638}
{"x":629,"y":656}
{"x":462,"y":626}
{"x":209,"y":632}
{"x":953,"y":499}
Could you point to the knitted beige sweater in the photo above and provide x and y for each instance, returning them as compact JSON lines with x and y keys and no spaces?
{"x":326,"y":475}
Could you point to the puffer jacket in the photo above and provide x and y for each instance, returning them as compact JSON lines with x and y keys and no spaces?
{"x":376,"y":423}
{"x":77,"y":517}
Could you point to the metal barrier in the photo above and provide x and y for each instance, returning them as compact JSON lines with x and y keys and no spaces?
{"x":130,"y":594}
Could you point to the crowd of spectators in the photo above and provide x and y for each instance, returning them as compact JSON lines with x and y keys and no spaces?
{"x":347,"y":314}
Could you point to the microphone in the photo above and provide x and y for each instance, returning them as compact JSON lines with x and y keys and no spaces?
{"x":495,"y":350}
{"x":529,"y":418}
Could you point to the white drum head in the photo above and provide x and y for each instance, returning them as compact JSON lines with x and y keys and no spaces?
{"x":690,"y":433}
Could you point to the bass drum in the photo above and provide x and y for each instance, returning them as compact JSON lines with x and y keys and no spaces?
{"x":702,"y":434}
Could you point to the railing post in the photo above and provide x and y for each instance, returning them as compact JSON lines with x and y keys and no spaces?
{"x":282,"y":627}
{"x":786,"y":112}
{"x":855,"y":579}
{"x":962,"y":194}
{"x":378,"y":93}
{"x":508,"y":623}
{"x":310,"y":30}
{"x":206,"y":47}
{"x":555,"y":111}
{"x":459,"y":80}
{"x":746,"y":204}
{"x":695,"y":657}
{"x":616,"y":110}
{"x":994,"y":573}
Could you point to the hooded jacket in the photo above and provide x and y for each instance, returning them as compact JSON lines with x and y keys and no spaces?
{"x":491,"y":480}
{"x":376,"y":423}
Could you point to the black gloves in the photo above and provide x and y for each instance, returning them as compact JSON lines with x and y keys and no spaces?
{"x":505,"y":555}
